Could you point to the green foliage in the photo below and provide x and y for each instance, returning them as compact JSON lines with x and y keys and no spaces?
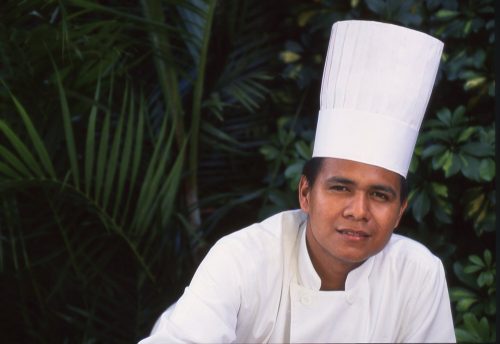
{"x":476,"y":302}
{"x":287,"y":150}
{"x":134,"y":135}
{"x":124,"y":194}
{"x":452,"y":191}
{"x":108,"y":114}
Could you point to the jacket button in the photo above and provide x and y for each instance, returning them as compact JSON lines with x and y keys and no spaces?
{"x":305,"y":299}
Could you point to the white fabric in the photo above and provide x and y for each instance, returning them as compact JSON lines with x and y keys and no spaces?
{"x":377,"y":81}
{"x":258,"y":285}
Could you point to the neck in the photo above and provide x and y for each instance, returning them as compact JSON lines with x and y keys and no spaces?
{"x":332,"y":272}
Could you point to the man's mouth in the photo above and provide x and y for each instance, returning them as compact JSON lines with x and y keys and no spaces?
{"x":352,"y":233}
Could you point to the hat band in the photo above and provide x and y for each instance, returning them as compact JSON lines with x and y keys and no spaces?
{"x":366,"y":137}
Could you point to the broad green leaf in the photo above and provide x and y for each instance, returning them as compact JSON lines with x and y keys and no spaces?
{"x":465,"y":336}
{"x":433,"y":150}
{"x":303,"y":149}
{"x":377,"y":6}
{"x":473,"y":83}
{"x":458,"y":293}
{"x":458,"y":115}
{"x":478,"y":149}
{"x":466,"y":134}
{"x":269,"y":152}
{"x":440,"y":189}
{"x":467,"y":279}
{"x":452,"y":165}
{"x":293,"y":173}
{"x":487,"y":257}
{"x":294,"y":169}
{"x":289,"y":56}
{"x":305,"y":16}
{"x":472,"y":268}
{"x":476,"y":260}
{"x":465,"y":303}
{"x":443,"y":213}
{"x":278,"y":198}
{"x":421,"y":206}
{"x":491,"y":89}
{"x":485,"y":278}
{"x":444,"y":115}
{"x":467,"y":27}
{"x":456,"y":165}
{"x":441,"y":160}
{"x":474,"y":205}
{"x":487,"y":169}
{"x":484,"y":329}
{"x":470,"y":167}
{"x":414,"y":164}
{"x":471,"y":323}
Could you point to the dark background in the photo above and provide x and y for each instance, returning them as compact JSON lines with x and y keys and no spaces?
{"x":134,"y":134}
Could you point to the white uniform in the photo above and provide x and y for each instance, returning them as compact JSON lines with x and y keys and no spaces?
{"x":258,"y":285}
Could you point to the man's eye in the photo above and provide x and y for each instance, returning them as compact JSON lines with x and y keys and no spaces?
{"x":339,"y":188}
{"x":380,"y":195}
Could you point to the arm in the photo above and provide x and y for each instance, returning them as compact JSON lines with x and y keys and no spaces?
{"x":430,"y":319}
{"x":207,"y":311}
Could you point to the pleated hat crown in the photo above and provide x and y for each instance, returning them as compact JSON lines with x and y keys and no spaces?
{"x":376,"y":85}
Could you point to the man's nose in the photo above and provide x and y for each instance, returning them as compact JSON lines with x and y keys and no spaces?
{"x":357,"y":207}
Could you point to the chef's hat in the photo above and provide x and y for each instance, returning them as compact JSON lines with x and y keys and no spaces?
{"x":376,"y":85}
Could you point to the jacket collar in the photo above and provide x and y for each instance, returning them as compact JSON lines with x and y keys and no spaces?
{"x":309,"y":278}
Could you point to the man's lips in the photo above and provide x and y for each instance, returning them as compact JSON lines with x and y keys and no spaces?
{"x":353,"y":233}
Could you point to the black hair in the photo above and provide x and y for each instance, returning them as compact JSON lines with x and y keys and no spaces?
{"x":313,"y":166}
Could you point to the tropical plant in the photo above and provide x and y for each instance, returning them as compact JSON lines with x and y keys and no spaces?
{"x":451,"y":176}
{"x":133,"y":135}
{"x":476,"y":301}
{"x":100,"y":215}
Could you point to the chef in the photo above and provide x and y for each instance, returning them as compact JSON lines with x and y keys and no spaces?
{"x":333,"y":271}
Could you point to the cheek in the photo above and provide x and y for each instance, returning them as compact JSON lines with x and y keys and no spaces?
{"x":388,"y":218}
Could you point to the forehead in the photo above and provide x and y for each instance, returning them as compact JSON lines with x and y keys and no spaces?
{"x":359,"y":172}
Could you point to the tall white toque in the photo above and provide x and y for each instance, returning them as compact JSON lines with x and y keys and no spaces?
{"x":376,"y":85}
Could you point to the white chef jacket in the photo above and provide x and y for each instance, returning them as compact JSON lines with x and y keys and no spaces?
{"x":258,"y":285}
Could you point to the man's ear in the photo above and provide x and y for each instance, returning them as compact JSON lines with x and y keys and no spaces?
{"x":304,"y":191}
{"x":404,"y":205}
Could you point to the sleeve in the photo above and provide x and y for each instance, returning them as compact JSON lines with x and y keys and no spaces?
{"x":430,"y":319}
{"x":207,"y":311}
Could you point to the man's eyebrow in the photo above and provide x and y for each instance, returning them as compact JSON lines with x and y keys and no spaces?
{"x":340,"y":180}
{"x":376,"y":187}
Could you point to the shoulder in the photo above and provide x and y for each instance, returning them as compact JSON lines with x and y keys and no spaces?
{"x":264,"y":237}
{"x":407,"y":250}
{"x":408,"y":260}
{"x":246,"y":251}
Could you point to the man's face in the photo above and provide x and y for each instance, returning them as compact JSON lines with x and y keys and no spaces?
{"x":353,"y":209}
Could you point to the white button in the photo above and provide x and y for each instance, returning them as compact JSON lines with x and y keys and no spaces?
{"x":305,"y":299}
{"x":349,"y":298}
